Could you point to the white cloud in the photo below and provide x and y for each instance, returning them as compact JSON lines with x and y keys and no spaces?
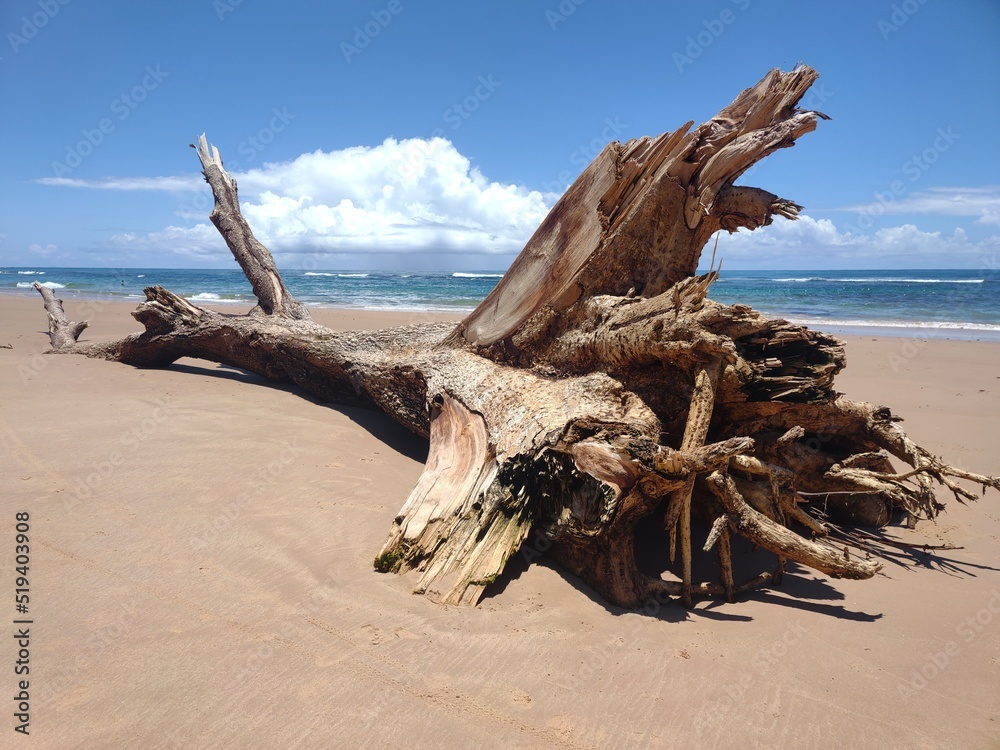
{"x":182,"y":182}
{"x":422,"y":198}
{"x":982,"y":202}
{"x":398,"y":197}
{"x":817,"y":243}
{"x":42,"y":250}
{"x":201,"y":242}
{"x":989,"y":216}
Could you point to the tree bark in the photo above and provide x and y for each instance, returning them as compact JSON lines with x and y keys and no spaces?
{"x":255,"y":259}
{"x":63,"y":332}
{"x":596,"y":388}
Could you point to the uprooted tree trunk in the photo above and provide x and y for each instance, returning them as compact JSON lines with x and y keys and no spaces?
{"x":596,"y":388}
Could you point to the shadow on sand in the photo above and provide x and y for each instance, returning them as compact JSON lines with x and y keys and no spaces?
{"x":377,"y":424}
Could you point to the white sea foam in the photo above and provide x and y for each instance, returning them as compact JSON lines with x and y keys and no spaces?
{"x":32,"y":273}
{"x":911,"y":281}
{"x":49,"y":284}
{"x":401,"y":308}
{"x":216,"y":299}
{"x":141,"y":276}
{"x":879,"y":280}
{"x":937,"y":325}
{"x":460,"y":275}
{"x":338,"y":275}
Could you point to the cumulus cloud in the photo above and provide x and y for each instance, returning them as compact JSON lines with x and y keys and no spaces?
{"x":404,"y":196}
{"x":42,"y":250}
{"x":818,"y":243}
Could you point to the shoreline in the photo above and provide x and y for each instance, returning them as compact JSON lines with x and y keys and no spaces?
{"x":946,"y":331}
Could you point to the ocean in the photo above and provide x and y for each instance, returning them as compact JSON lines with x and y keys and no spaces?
{"x":960,"y":304}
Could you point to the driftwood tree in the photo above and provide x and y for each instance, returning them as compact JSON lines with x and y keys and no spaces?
{"x":596,"y":388}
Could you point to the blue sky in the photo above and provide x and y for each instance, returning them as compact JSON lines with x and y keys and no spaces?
{"x":416,"y":135}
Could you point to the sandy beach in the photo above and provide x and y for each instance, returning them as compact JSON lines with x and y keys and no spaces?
{"x":201,"y":577}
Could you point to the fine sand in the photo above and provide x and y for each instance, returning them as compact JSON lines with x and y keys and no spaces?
{"x":201,"y":577}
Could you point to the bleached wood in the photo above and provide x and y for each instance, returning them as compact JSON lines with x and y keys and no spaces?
{"x":765,"y":533}
{"x":696,"y":430}
{"x":255,"y":259}
{"x":63,"y":332}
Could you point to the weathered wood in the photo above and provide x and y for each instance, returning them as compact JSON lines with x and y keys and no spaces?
{"x":597,"y":389}
{"x":695,"y":432}
{"x":439,"y":522}
{"x":719,"y":525}
{"x":62,"y":331}
{"x":255,"y":259}
{"x":617,"y":228}
{"x":765,"y":533}
{"x":726,"y":563}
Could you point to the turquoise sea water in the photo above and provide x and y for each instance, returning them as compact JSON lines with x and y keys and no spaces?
{"x":941,"y":303}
